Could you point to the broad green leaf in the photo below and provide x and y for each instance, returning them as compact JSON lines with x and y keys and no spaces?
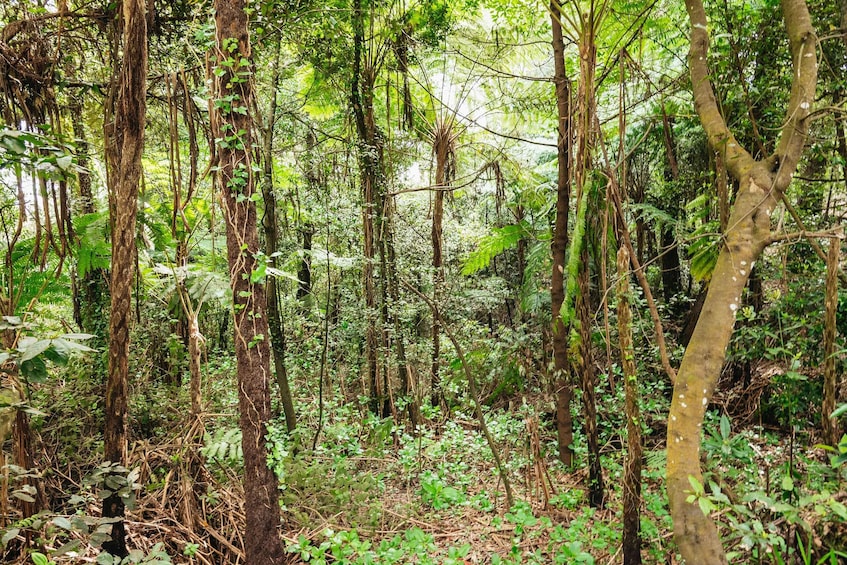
{"x":9,"y":535}
{"x":35,"y":349}
{"x":787,"y":483}
{"x":62,"y":522}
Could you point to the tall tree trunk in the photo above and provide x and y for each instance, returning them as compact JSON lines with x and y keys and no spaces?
{"x":632,"y":465}
{"x":231,"y":127}
{"x":762,"y":185}
{"x":408,"y":386}
{"x":582,"y":355}
{"x":129,"y":128}
{"x":371,"y":176}
{"x":270,"y":228}
{"x":442,"y":147}
{"x":562,"y":375}
{"x":668,"y":250}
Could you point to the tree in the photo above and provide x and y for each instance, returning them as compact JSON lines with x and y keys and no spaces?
{"x":231,"y":128}
{"x":761,"y":186}
{"x":562,"y":377}
{"x":128,"y":141}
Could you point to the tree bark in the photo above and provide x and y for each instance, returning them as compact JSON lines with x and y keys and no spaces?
{"x":270,"y":228}
{"x":762,"y":185}
{"x":231,"y":127}
{"x":442,"y":147}
{"x":831,"y":431}
{"x":562,"y":374}
{"x":371,"y":176}
{"x":632,"y":464}
{"x":129,"y":126}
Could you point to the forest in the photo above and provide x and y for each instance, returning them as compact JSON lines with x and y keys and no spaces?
{"x":423,"y":282}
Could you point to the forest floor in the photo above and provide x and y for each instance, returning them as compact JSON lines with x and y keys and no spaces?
{"x":371,"y":492}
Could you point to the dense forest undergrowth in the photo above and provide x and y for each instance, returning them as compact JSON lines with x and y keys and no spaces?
{"x":414,"y":281}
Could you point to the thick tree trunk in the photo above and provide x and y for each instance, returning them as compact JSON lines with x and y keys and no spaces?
{"x":562,"y":375}
{"x":129,"y":126}
{"x":231,"y":127}
{"x":632,"y":464}
{"x":582,"y":356}
{"x":761,"y":186}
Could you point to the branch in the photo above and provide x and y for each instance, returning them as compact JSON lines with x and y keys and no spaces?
{"x":737,"y":158}
{"x":803,"y":43}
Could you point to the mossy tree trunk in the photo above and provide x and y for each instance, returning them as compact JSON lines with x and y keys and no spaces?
{"x":762,"y":185}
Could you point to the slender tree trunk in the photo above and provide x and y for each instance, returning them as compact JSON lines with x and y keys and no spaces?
{"x":270,"y":228}
{"x":442,"y":147}
{"x":562,"y":375}
{"x":668,"y":250}
{"x":230,"y":118}
{"x":129,"y":127}
{"x":408,"y":386}
{"x":831,"y":431}
{"x":632,"y":465}
{"x":304,"y":273}
{"x":372,"y":177}
{"x":762,"y":185}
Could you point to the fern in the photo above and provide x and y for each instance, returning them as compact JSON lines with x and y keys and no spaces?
{"x":533,"y":298}
{"x":224,"y":446}
{"x":650,"y":213}
{"x":93,"y":251}
{"x":492,"y":245}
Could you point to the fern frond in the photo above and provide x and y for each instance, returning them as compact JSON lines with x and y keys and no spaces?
{"x":492,"y":245}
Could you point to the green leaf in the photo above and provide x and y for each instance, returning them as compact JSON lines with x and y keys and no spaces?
{"x":725,"y":427}
{"x":696,"y":486}
{"x":39,"y":558}
{"x":76,"y":336}
{"x":787,"y":483}
{"x":9,"y":535}
{"x":840,"y":411}
{"x":64,"y":162}
{"x":35,"y":349}
{"x":62,"y":522}
{"x":35,"y":370}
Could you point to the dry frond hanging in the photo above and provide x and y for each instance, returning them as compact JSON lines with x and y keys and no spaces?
{"x":27,"y":67}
